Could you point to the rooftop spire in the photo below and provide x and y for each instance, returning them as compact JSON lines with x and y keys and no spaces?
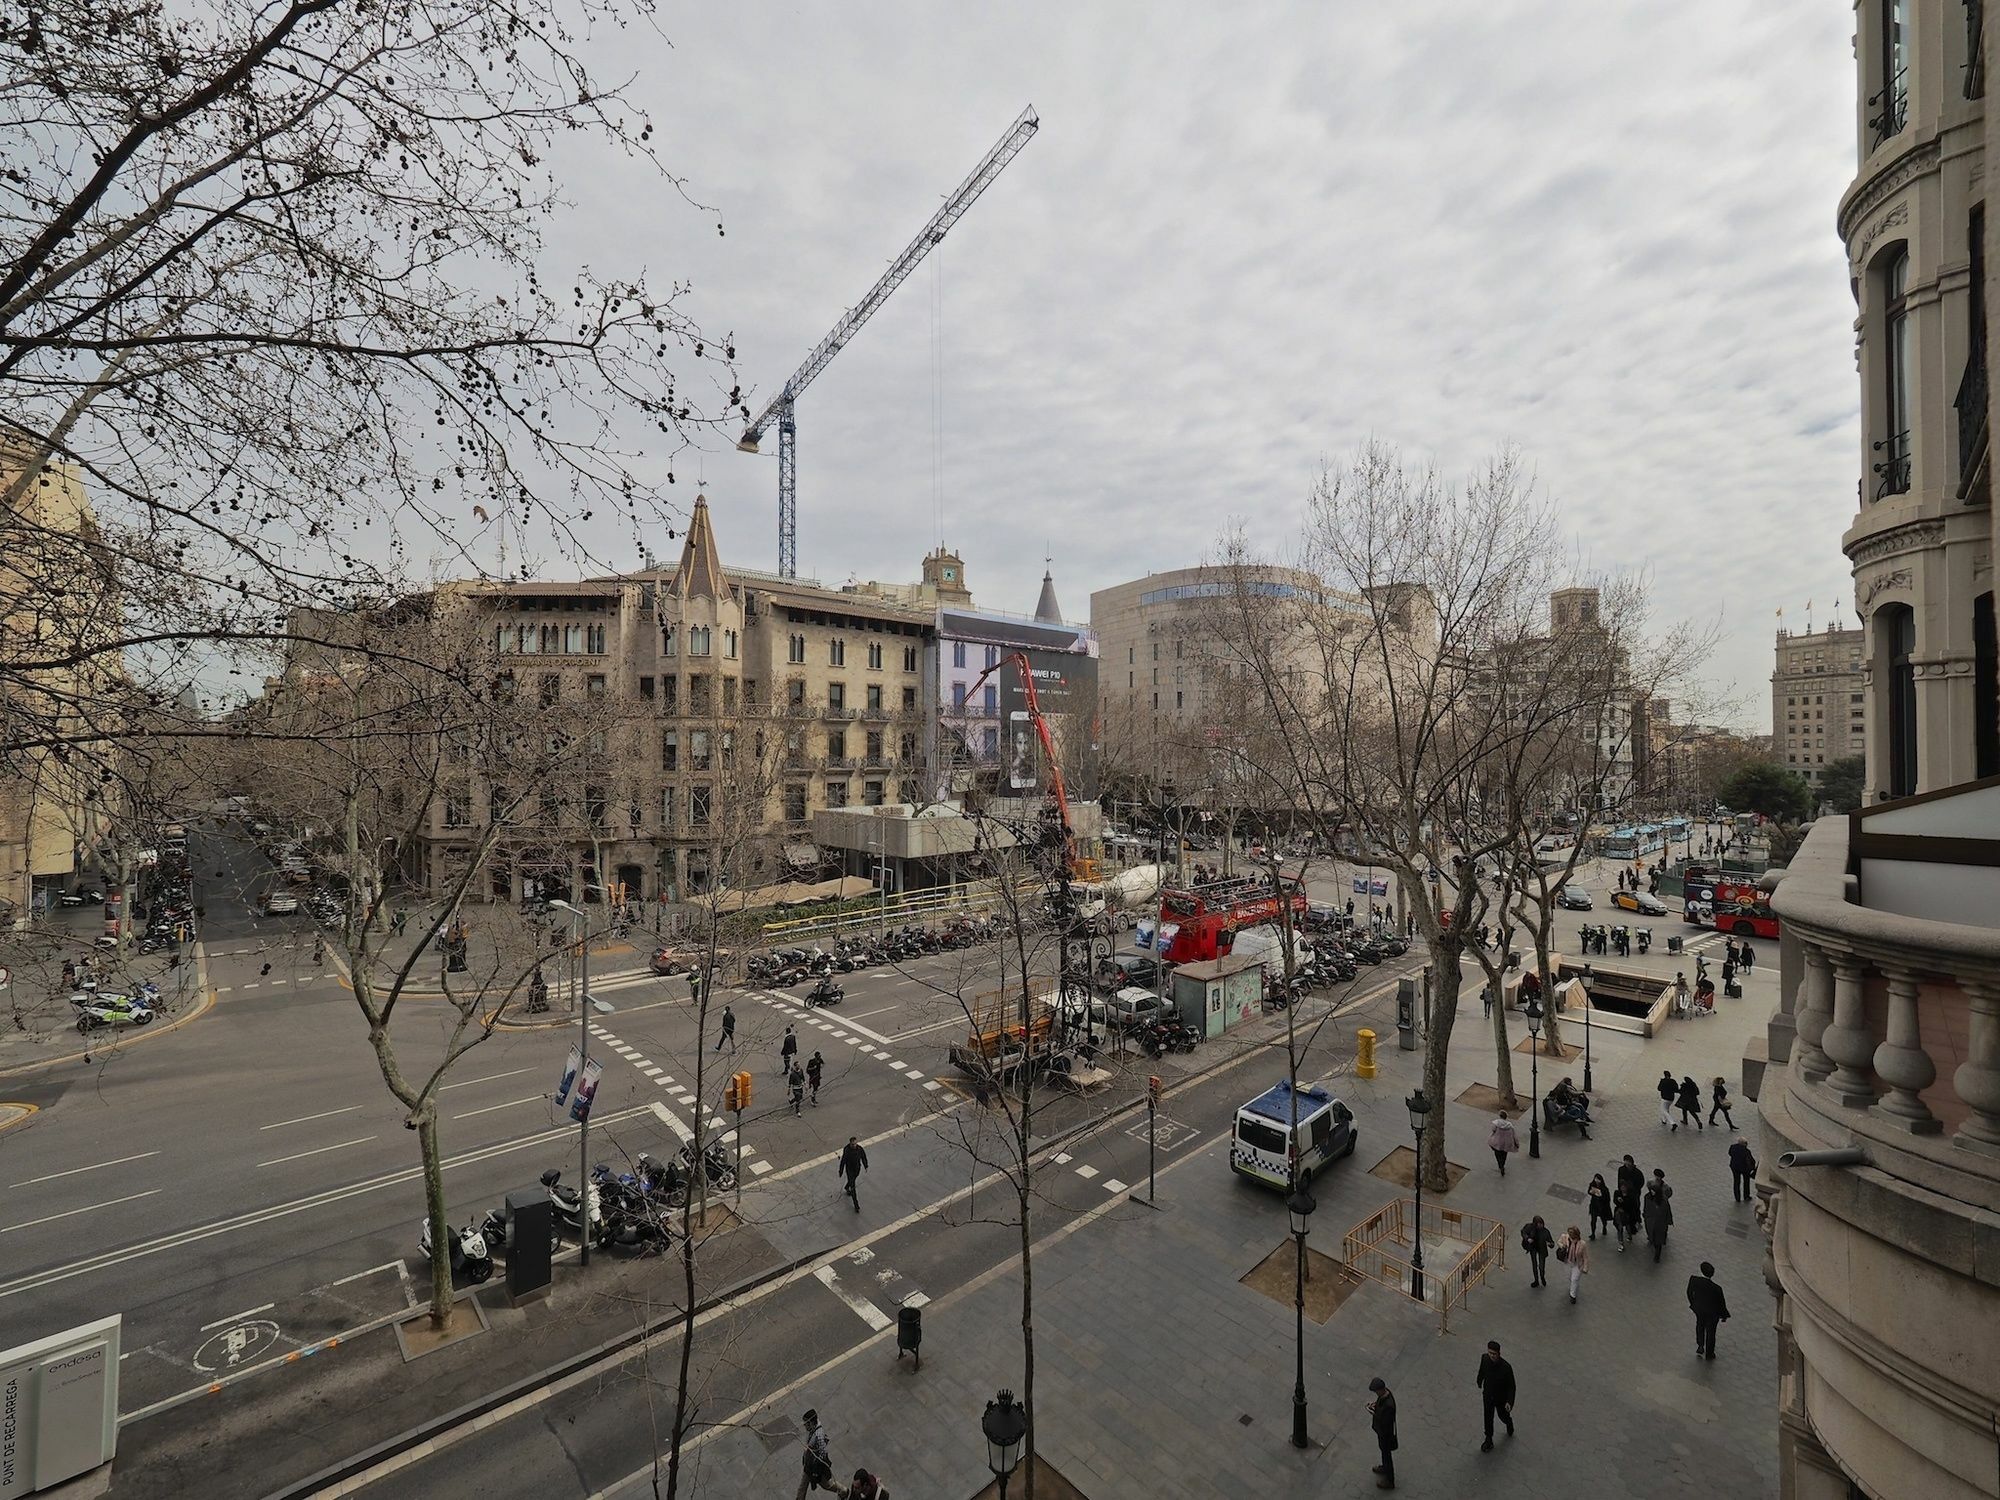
{"x":700,"y":574}
{"x":1046,"y":608}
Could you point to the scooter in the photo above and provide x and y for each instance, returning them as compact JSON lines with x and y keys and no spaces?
{"x":826,"y":992}
{"x":469,"y":1256}
{"x":721,"y":1172}
{"x":97,"y":1008}
{"x":493,"y":1229}
{"x":569,"y":1211}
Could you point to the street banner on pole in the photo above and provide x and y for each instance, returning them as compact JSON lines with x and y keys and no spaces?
{"x":1363,"y":886}
{"x":586,"y":1090}
{"x":568,"y":1078}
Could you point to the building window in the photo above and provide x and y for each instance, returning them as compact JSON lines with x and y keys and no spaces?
{"x":728,"y":749}
{"x":795,"y":649}
{"x":958,"y":695}
{"x":871,"y":793}
{"x":729,"y":644}
{"x":1890,"y":103}
{"x":670,"y":695}
{"x":698,"y":754}
{"x":836,"y":652}
{"x":909,"y":700}
{"x":836,"y":698}
{"x":698,"y":801}
{"x":1156,"y":703}
{"x":698,"y":640}
{"x":498,"y":806}
{"x":836,"y":794}
{"x":669,"y":805}
{"x":551,"y":689}
{"x":909,"y":658}
{"x":1130,"y":655}
{"x":836,"y":746}
{"x":594,"y":685}
{"x":552,"y":637}
{"x":874,"y":747}
{"x":670,"y":750}
{"x":992,"y":657}
{"x":1177,"y":700}
{"x":874,"y":697}
{"x":1985,"y":689}
{"x":958,"y":653}
{"x":572,"y":639}
{"x":1892,"y":449}
{"x":874,"y":656}
{"x":645,"y":690}
{"x":457,"y":806}
{"x":594,"y":805}
{"x":909,"y":747}
{"x":729,"y":695}
{"x":989,"y":743}
{"x":669,"y":642}
{"x":1897,"y":628}
{"x":795,"y":803}
{"x":991,"y":699}
{"x":795,"y":693}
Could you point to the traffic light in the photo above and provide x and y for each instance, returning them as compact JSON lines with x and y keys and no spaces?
{"x":736,"y":1092}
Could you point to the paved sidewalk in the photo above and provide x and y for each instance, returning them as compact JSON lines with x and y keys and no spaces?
{"x":1158,"y":1374}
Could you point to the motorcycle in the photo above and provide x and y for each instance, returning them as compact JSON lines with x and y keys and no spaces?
{"x":721,"y":1172}
{"x":493,"y":1228}
{"x":826,"y":992}
{"x":470,"y":1257}
{"x":569,"y":1207}
{"x":95,"y":1008}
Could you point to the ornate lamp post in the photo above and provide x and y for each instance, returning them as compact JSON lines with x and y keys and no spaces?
{"x":1005,"y":1424}
{"x":1301,"y":1205}
{"x":1419,"y":1107}
{"x":1587,"y":1009}
{"x":1533,"y":1011}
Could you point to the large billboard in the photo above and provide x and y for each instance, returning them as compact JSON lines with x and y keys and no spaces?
{"x":1066,"y":692}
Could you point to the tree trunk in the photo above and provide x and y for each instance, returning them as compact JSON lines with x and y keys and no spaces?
{"x":1437,"y":1050}
{"x":1503,"y":1056}
{"x":427,"y":1141}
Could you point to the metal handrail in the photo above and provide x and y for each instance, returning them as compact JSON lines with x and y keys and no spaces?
{"x":1893,"y":470}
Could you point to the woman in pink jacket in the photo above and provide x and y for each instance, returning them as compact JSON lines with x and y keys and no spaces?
{"x":1502,"y":1141}
{"x":1573,"y":1252}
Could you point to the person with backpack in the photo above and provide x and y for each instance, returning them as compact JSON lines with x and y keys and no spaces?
{"x":1742,"y":1170}
{"x":1537,"y":1242}
{"x":1688,"y":1097}
{"x":853,"y":1162}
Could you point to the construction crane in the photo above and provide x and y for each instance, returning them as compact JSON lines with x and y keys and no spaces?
{"x":1058,"y":792}
{"x":781,"y":409}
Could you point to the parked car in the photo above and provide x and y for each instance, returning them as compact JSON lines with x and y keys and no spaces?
{"x":1129,"y":1008}
{"x":1643,"y":902}
{"x":1127,"y":971}
{"x":1574,"y":898}
{"x":1275,"y":1128}
{"x":280,"y":904}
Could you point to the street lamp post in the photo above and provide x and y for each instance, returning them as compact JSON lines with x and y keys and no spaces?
{"x":1419,"y":1107}
{"x":1005,"y":1424}
{"x":1301,"y":1205}
{"x":587,"y":1003}
{"x":1533,"y":1011}
{"x":1588,"y":1087}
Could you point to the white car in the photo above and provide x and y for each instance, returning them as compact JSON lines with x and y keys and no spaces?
{"x":280,"y":904}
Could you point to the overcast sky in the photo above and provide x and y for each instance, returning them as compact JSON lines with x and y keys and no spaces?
{"x":1247,"y":236}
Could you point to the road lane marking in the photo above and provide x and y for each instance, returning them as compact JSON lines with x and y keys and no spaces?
{"x":278,"y":1161}
{"x":1112,"y":1185}
{"x":488,"y":1109}
{"x":904,"y":1036}
{"x":87,"y":1208}
{"x":489,"y":1078}
{"x":673,"y":1122}
{"x":328,"y":1115}
{"x":236,"y":1317}
{"x":116,"y":1161}
{"x":867,"y":1311}
{"x":759,"y":1168}
{"x":880,"y":1011}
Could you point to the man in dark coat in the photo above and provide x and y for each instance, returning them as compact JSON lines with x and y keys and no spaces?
{"x":1496,"y":1391}
{"x":1382,"y":1418}
{"x":1710,"y":1308}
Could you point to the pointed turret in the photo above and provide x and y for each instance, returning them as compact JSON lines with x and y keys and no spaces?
{"x":1046,"y":608}
{"x":700,"y":575}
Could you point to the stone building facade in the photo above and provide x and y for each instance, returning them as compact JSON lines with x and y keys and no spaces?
{"x":1818,"y":700}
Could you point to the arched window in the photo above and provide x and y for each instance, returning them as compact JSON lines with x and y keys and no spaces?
{"x":1892,"y":444}
{"x":1896,"y":634}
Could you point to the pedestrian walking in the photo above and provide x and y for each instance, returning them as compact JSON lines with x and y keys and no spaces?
{"x":1496,"y":1392}
{"x":1749,"y":959}
{"x":797,"y":1079}
{"x":1599,"y":1197}
{"x":728,"y":1037}
{"x":853,"y":1162}
{"x":787,"y":1050}
{"x":1688,"y":1099}
{"x":1382,"y":1419}
{"x":1718,"y":1103}
{"x":1503,"y":1141}
{"x":815,"y":1065}
{"x":1742,"y":1169}
{"x":1657,"y":1212}
{"x":1668,"y":1091}
{"x":1728,"y":974}
{"x":1486,"y":1001}
{"x":1537,"y":1241}
{"x":1710,"y":1309}
{"x":1625,"y":1200}
{"x":1574,"y":1253}
{"x":816,"y":1462}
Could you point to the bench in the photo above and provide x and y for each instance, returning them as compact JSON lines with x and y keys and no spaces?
{"x":1551,"y":1118}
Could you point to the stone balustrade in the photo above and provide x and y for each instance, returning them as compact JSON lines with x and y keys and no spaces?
{"x":1898,"y":1026}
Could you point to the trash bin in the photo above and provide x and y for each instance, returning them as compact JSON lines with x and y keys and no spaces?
{"x":910,"y":1334}
{"x":1674,"y":943}
{"x":1513,"y":958}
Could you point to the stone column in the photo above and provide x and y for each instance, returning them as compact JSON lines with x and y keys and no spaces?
{"x":1902,"y":1063}
{"x":1847,"y":1040}
{"x":1815,"y":1012}
{"x":1977,"y":1079}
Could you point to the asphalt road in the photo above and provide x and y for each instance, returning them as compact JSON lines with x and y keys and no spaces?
{"x":247,"y":1185}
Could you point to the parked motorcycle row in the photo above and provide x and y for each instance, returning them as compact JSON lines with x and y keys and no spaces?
{"x":782,"y":968}
{"x":1328,"y":961}
{"x":629,"y":1212}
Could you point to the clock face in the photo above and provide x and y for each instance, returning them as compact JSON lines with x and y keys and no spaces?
{"x":949,"y":575}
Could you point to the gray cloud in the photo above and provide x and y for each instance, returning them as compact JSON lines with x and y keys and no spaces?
{"x":1248,"y":236}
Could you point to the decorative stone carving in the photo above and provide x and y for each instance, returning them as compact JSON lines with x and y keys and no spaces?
{"x":1884,"y":184}
{"x":1900,"y":214}
{"x":1896,"y":540}
{"x":1896,"y":578}
{"x":1901,"y":1061}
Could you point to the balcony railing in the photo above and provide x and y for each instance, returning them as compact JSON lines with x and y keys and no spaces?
{"x":1892,"y":108}
{"x":841,"y":711}
{"x":875,"y":711}
{"x":1898,"y":1019}
{"x":1892,"y":469}
{"x":1970,"y":403}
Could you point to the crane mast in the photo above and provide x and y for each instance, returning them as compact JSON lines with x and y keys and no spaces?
{"x":781,"y":409}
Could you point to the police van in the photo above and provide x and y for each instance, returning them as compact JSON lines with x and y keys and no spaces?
{"x":1266,"y":1143}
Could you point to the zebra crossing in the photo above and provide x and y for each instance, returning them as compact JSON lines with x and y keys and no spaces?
{"x":683,"y":1099}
